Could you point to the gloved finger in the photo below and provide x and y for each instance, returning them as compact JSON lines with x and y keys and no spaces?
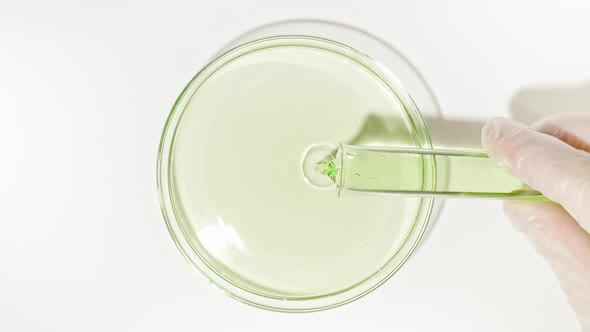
{"x":571,"y":128}
{"x":552,"y":231}
{"x":563,"y":243}
{"x":558,"y":170}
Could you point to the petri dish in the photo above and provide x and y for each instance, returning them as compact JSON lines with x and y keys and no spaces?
{"x":236,"y":194}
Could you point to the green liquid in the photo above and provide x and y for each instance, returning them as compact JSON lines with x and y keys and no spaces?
{"x":379,"y":171}
{"x":237,"y":184}
{"x":365,"y":170}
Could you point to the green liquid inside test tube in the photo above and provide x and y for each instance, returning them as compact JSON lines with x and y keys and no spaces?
{"x":385,"y":170}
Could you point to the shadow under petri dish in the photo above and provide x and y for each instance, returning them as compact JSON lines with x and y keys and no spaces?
{"x":237,"y":139}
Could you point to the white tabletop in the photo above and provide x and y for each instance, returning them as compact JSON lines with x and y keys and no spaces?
{"x":84,"y":93}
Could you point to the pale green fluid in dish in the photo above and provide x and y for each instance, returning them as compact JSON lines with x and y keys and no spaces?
{"x":237,"y":183}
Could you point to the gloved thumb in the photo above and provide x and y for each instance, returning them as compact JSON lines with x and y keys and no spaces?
{"x":560,"y":169}
{"x":544,"y":162}
{"x":563,"y":243}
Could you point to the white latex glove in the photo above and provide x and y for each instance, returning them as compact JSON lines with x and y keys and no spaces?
{"x":552,"y":156}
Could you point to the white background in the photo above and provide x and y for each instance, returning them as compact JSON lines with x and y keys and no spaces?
{"x":85,"y":90}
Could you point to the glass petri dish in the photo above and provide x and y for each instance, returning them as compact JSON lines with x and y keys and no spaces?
{"x":235,"y":195}
{"x":386,"y":55}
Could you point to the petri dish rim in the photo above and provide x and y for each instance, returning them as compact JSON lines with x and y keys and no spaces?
{"x":253,"y":297}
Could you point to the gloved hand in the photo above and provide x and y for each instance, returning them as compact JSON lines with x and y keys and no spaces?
{"x":552,"y":156}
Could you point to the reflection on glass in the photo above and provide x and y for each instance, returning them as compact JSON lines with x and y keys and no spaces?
{"x":219,"y":237}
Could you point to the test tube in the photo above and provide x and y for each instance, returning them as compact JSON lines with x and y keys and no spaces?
{"x":424,"y":172}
